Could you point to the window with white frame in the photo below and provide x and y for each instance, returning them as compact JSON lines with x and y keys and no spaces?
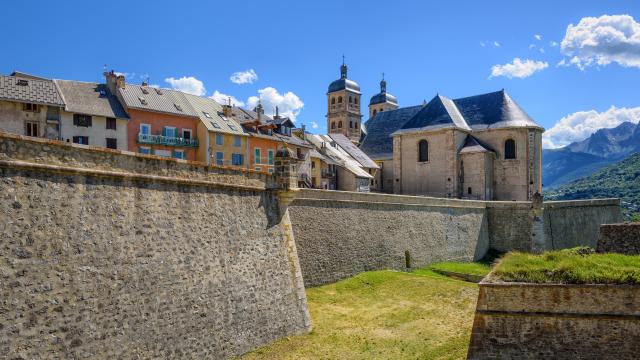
{"x":144,"y":150}
{"x":219,"y":158}
{"x":257,"y":154}
{"x":169,"y":131}
{"x":145,"y":129}
{"x":178,"y":154}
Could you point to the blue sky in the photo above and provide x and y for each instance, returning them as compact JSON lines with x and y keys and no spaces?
{"x":295,"y":49}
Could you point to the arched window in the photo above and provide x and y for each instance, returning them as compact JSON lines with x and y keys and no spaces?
{"x":339,"y":124}
{"x":375,"y":112}
{"x":510,"y":149}
{"x":350,"y":99}
{"x":333,"y":100}
{"x":339,"y":99}
{"x":350,"y":124}
{"x":423,"y":151}
{"x":333,"y":125}
{"x":355,"y":100}
{"x":356,"y":124}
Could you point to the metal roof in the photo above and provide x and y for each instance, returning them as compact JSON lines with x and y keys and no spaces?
{"x":354,"y":151}
{"x":212,"y":116}
{"x":158,"y":100}
{"x":337,"y":154}
{"x":473,"y":145}
{"x":439,"y":113}
{"x":342,"y":84}
{"x":493,"y":110}
{"x":90,"y":99}
{"x":378,"y":143}
{"x":29,"y":90}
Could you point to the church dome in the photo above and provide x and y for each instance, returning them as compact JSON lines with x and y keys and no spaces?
{"x":343,"y":83}
{"x":383,"y":97}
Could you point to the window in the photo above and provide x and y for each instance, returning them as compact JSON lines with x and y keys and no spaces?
{"x":143,"y":101}
{"x":237,"y":159}
{"x":333,"y":101}
{"x":215,"y":125}
{"x":30,"y":107}
{"x":178,"y":107}
{"x":232,"y":127}
{"x":313,"y":164}
{"x":186,"y":133}
{"x":53,"y":113}
{"x":356,"y":125}
{"x":84,"y":140}
{"x":374,"y":112}
{"x":169,"y":131}
{"x":339,"y":99}
{"x":22,"y":82}
{"x":207,"y":115}
{"x":339,"y":124}
{"x":237,"y":141}
{"x":510,"y":149}
{"x":219,"y":139}
{"x":81,"y":120}
{"x":111,"y":124}
{"x":158,"y":91}
{"x":270,"y":156}
{"x":178,"y":154}
{"x":258,"y":168}
{"x":469,"y":191}
{"x":257,"y":155}
{"x":299,"y":153}
{"x":355,"y":100}
{"x":423,"y":151}
{"x":112,"y":143}
{"x":145,"y":129}
{"x":144,"y":90}
{"x":31,"y":129}
{"x":163,"y":153}
{"x":350,"y":99}
{"x":219,"y":158}
{"x":270,"y":170}
{"x":333,"y":125}
{"x":350,"y":124}
{"x":144,"y":150}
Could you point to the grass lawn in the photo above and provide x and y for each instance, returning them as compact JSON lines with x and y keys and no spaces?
{"x":471,"y":268}
{"x":570,"y":266}
{"x":384,"y":315}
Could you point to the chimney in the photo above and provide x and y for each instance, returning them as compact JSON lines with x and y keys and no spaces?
{"x":226,"y":109}
{"x":120,"y":81}
{"x":110,"y":78}
{"x":277,"y":116}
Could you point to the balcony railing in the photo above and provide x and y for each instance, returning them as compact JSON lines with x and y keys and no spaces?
{"x":327,"y":174}
{"x":166,"y":140}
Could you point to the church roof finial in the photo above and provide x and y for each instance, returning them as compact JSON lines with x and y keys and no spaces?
{"x":343,"y":69}
{"x":383,"y":85}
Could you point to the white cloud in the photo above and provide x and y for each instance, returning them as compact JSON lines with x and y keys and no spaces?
{"x":314,"y":125}
{"x":541,"y":50}
{"x":538,"y":37}
{"x":553,"y":43}
{"x":603,"y":40}
{"x":532,"y":46}
{"x":496,"y":44}
{"x":483,"y":44}
{"x":518,"y":68}
{"x":224,"y":99}
{"x":289,"y":104}
{"x":581,"y":124}
{"x":244,"y":77}
{"x":187,"y":84}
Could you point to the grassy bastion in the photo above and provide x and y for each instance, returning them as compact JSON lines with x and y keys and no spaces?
{"x":567,"y":304}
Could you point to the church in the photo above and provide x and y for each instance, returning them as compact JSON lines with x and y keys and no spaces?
{"x":482,"y":147}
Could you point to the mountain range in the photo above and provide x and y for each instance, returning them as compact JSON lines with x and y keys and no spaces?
{"x":583,"y":158}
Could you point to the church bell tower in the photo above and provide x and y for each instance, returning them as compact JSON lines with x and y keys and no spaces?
{"x":343,"y":104}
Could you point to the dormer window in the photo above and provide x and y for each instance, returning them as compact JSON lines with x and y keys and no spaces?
{"x":207,"y":115}
{"x":143,"y":101}
{"x":144,"y":90}
{"x":178,"y":107}
{"x":158,"y":91}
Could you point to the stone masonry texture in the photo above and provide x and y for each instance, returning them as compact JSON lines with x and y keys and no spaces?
{"x":108,"y":267}
{"x":621,"y":238}
{"x":534,"y":321}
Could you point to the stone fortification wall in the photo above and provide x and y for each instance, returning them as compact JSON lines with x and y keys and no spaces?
{"x":577,"y":223}
{"x":538,"y":321}
{"x":621,"y":238}
{"x":339,"y":234}
{"x":107,"y":255}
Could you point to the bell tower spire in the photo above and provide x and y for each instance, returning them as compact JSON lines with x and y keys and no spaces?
{"x":343,"y":101}
{"x":343,"y":69}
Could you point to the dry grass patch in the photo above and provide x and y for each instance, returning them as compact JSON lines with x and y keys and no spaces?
{"x":384,"y":315}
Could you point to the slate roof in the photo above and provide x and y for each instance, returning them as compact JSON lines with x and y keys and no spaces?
{"x":353,"y":151}
{"x":244,"y":115}
{"x":383,"y":97}
{"x":342,"y":84}
{"x":157,"y":100}
{"x":439,"y":113}
{"x":216,"y":121}
{"x":90,"y":99}
{"x":378,"y":143}
{"x":29,"y":90}
{"x":473,"y":145}
{"x":338,"y":155}
{"x":493,"y":110}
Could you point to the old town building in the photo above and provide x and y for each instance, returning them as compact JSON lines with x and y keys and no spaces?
{"x":343,"y":103}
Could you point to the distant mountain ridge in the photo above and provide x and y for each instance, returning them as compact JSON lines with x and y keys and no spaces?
{"x":583,"y":158}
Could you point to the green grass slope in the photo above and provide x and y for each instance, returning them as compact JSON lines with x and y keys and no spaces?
{"x":619,"y":180}
{"x":384,"y":315}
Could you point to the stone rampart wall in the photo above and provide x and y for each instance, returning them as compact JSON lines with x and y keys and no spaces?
{"x":621,"y":238}
{"x":339,"y":234}
{"x":108,"y":255}
{"x":537,"y":321}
